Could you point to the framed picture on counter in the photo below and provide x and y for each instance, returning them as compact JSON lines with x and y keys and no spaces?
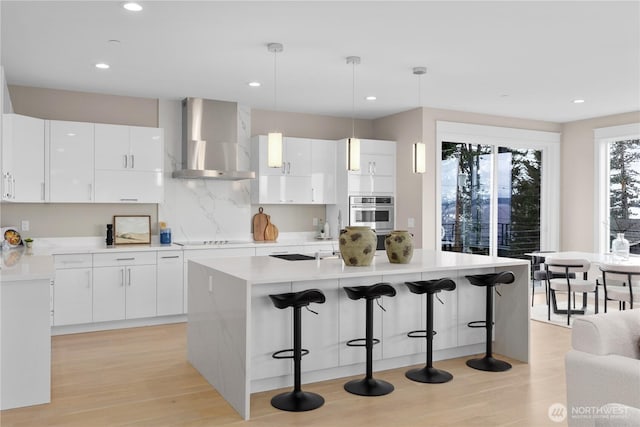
{"x":132,"y":229}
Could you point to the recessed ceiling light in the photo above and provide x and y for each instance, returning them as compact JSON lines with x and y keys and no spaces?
{"x":132,"y":6}
{"x":71,"y":134}
{"x":254,"y":84}
{"x":371,"y":98}
{"x":578,"y":101}
{"x":102,"y":65}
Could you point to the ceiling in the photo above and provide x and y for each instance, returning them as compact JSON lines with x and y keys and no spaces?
{"x":517,"y":59}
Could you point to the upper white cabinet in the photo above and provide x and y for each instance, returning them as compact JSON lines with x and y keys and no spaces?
{"x":307,"y":175}
{"x":70,"y":149}
{"x":23,"y":159}
{"x":377,"y":169}
{"x":128,"y":164}
{"x":323,"y":172}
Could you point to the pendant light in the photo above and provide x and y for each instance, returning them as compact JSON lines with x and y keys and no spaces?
{"x":419,"y":148}
{"x":353,"y":143}
{"x":274,"y":139}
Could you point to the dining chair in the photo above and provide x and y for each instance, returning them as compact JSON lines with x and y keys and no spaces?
{"x":568,"y":284}
{"x":539,"y":273}
{"x":629,"y":275}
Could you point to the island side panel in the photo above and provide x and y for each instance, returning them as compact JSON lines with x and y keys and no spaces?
{"x":512,"y":315}
{"x":217,"y":331}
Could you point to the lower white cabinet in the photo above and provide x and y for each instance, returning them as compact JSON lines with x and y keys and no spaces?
{"x":73,"y":289}
{"x":124,"y":286}
{"x":471,"y":307}
{"x":170,"y":283}
{"x":271,"y":331}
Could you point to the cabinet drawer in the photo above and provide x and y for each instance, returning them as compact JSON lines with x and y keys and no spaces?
{"x":72,"y":261}
{"x":124,"y":258}
{"x":170,"y":257}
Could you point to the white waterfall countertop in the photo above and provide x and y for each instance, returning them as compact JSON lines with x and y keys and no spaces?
{"x":18,"y":265}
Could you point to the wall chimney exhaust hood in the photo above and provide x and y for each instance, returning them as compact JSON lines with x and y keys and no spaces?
{"x":209,"y":141}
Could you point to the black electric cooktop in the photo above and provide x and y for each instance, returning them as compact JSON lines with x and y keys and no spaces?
{"x":293,"y":257}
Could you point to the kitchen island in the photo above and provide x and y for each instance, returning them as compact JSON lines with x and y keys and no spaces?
{"x":25,"y":334}
{"x":233,"y":328}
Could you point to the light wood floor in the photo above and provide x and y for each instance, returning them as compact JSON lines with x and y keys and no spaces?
{"x":140,"y":377}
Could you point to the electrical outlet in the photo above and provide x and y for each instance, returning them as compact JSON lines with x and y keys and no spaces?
{"x":315,"y":222}
{"x":411,"y":222}
{"x":25,"y":225}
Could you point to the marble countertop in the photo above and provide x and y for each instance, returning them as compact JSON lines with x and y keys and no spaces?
{"x":268,"y":269}
{"x":18,"y":265}
{"x":76,"y":245}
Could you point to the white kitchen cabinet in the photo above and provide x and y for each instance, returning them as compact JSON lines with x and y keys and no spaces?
{"x":471,"y":308}
{"x":323,"y":172}
{"x":377,"y":169}
{"x":320,"y":331}
{"x":170,"y":286}
{"x":292,"y":183}
{"x":405,"y":313}
{"x":128,"y":164}
{"x":73,"y":290}
{"x":70,"y":154}
{"x":124,"y":286}
{"x":23,"y":159}
{"x":353,"y":322}
{"x":271,"y":331}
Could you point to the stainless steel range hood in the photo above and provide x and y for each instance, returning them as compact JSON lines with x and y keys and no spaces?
{"x":209,"y":141}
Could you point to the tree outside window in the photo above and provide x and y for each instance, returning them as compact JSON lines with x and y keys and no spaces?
{"x":624,"y":191}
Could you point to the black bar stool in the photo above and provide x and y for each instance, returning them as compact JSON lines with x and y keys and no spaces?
{"x":488,"y":363}
{"x":297,"y":400}
{"x":429,"y":374}
{"x":368,"y":386}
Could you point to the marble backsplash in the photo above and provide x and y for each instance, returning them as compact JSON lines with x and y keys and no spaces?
{"x":200,"y":209}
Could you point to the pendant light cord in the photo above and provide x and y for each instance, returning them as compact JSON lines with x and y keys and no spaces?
{"x":353,"y":100}
{"x":275,"y":86}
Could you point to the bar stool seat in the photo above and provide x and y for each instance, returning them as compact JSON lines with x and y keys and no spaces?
{"x":368,"y":386}
{"x":489,"y":281}
{"x":296,"y":400}
{"x":429,"y":374}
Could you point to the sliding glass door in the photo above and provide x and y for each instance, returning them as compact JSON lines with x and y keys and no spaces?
{"x":492,"y":200}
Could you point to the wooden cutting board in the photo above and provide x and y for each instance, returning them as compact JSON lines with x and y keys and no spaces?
{"x":260,"y":221}
{"x":271,"y":231}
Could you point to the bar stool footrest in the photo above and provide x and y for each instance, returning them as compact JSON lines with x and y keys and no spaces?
{"x":478,"y":324}
{"x":278,"y":354}
{"x":420,"y":333}
{"x":361,"y":342}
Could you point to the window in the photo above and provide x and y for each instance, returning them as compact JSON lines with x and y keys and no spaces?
{"x":495,"y":198}
{"x":618,"y":184}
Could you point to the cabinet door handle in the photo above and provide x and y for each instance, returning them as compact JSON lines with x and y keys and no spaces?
{"x":279,"y":252}
{"x":374,"y":168}
{"x":168,"y":257}
{"x":125,"y":161}
{"x":126,"y":259}
{"x":128,"y":200}
{"x":288,"y":168}
{"x":42,"y":191}
{"x":313,"y":195}
{"x":132,"y":161}
{"x":90,"y":191}
{"x":122,"y":277}
{"x":284,"y":168}
{"x":13,"y":187}
{"x":129,"y":276}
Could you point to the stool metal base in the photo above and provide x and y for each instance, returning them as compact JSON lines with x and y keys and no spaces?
{"x":488,"y":363}
{"x":429,"y":375}
{"x":297,"y":401}
{"x":368,"y":387}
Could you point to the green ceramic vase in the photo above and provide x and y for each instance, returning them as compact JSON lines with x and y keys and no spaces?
{"x":357,"y":246}
{"x":399,"y":246}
